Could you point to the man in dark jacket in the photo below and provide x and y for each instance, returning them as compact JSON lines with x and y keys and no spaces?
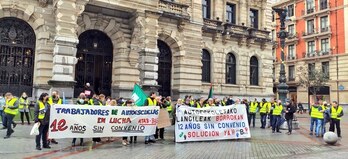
{"x":289,"y":114}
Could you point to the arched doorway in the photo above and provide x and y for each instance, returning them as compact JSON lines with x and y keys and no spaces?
{"x":17,"y":52}
{"x":94,"y":66}
{"x":164,"y":68}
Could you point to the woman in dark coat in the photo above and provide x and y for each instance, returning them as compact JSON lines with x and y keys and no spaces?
{"x":42,"y":115}
{"x":289,"y":114}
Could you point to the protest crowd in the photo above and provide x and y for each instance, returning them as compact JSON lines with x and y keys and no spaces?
{"x":272,"y":113}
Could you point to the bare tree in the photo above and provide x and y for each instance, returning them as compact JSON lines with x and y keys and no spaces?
{"x":312,"y":79}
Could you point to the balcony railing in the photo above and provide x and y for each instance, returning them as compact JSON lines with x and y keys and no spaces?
{"x":318,"y":54}
{"x":173,"y":7}
{"x":291,"y":57}
{"x":292,"y":35}
{"x":324,"y":29}
{"x":309,"y":11}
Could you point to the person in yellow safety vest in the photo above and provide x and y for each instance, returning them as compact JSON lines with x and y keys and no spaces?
{"x":24,"y":107}
{"x":102,"y":99}
{"x":200,"y":103}
{"x":210,"y":103}
{"x":270,"y":111}
{"x":317,"y":117}
{"x":55,"y":99}
{"x":81,"y":100}
{"x":277,"y":112}
{"x":252,"y":111}
{"x":336,"y":112}
{"x":168,"y":103}
{"x":264,"y":107}
{"x":42,"y":116}
{"x":150,"y":101}
{"x":95,"y":101}
{"x":10,"y":111}
{"x":224,"y":101}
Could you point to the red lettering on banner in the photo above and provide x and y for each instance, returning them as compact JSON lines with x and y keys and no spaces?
{"x":229,"y":132}
{"x":120,"y":120}
{"x":60,"y":126}
{"x":229,"y":117}
{"x":197,"y":134}
{"x":101,"y":120}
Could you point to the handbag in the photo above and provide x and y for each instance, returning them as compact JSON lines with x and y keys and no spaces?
{"x":35,"y":129}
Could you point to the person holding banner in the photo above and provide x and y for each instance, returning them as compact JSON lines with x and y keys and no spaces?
{"x":125,"y":141}
{"x":81,"y":100}
{"x":54,"y":99}
{"x":95,"y":102}
{"x":277,"y":112}
{"x":150,"y":101}
{"x":42,"y":115}
{"x":160,"y":102}
{"x":24,"y":107}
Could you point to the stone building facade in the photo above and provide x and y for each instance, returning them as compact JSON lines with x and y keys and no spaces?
{"x":159,"y":44}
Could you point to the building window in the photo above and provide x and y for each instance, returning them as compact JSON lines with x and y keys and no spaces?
{"x":254,"y":18}
{"x":324,"y":24}
{"x":206,"y":66}
{"x":291,"y":73}
{"x":206,"y":9}
{"x":323,"y":4}
{"x":310,"y":26}
{"x":231,"y":13}
{"x":310,"y":6}
{"x":291,"y":30}
{"x":291,"y":10}
{"x":254,"y":71}
{"x":291,"y":52}
{"x":310,"y":47}
{"x":324,"y":46}
{"x":311,"y":69}
{"x":325,"y":69}
{"x":231,"y":69}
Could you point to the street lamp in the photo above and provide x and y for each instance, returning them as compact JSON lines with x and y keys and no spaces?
{"x":282,"y":35}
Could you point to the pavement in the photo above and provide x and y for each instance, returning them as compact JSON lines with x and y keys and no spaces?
{"x":263,"y":144}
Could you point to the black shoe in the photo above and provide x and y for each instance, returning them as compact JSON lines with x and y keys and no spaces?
{"x":47,"y":147}
{"x":38,"y":148}
{"x":81,"y":143}
{"x":130,"y":141}
{"x":73,"y":144}
{"x":54,"y":141}
{"x":146,"y":142}
{"x":272,"y":131}
{"x":152,"y":141}
{"x":14,"y":125}
{"x":6,"y":137}
{"x":279,"y":132}
{"x":28,"y":123}
{"x":4,"y":128}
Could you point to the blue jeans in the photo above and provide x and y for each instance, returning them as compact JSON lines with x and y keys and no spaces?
{"x":323,"y":129}
{"x":318,"y":126}
{"x":148,"y":138}
{"x":263,"y":120}
{"x":276,"y":122}
{"x":312,"y":124}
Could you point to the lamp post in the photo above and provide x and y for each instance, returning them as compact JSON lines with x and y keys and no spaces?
{"x":282,"y":87}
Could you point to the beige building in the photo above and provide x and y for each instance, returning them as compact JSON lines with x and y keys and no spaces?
{"x":176,"y":47}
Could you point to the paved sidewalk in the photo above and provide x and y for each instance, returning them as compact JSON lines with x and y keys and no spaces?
{"x":263,"y":144}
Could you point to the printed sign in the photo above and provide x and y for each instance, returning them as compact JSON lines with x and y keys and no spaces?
{"x":80,"y":121}
{"x":215,"y":123}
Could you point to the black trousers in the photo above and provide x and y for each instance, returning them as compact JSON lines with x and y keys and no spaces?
{"x":9,"y":121}
{"x":252,"y":117}
{"x":161,"y":133}
{"x":333,"y":123}
{"x":43,"y":129}
{"x":74,"y":140}
{"x":289,"y":121}
{"x":26,"y":115}
{"x":96,"y":139}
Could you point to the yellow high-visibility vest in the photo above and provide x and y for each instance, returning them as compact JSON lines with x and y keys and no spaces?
{"x":151,"y":103}
{"x":91,"y":102}
{"x":335,"y":112}
{"x":50,"y":101}
{"x":198,"y":105}
{"x":277,"y":110}
{"x":265,"y":107}
{"x":315,"y":113}
{"x":253,"y":107}
{"x":41,"y":112}
{"x":21,"y":106}
{"x":170,"y":107}
{"x":10,"y":103}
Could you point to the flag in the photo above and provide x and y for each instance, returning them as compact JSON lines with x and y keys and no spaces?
{"x":210,"y":92}
{"x":64,"y":100}
{"x":138,"y":95}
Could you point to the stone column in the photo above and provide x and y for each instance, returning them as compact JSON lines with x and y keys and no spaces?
{"x":148,"y":55}
{"x":64,"y":54}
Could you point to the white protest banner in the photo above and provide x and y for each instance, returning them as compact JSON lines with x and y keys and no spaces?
{"x":214,"y":123}
{"x":81,"y":121}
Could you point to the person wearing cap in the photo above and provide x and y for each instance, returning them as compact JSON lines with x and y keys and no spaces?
{"x":88,"y":91}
